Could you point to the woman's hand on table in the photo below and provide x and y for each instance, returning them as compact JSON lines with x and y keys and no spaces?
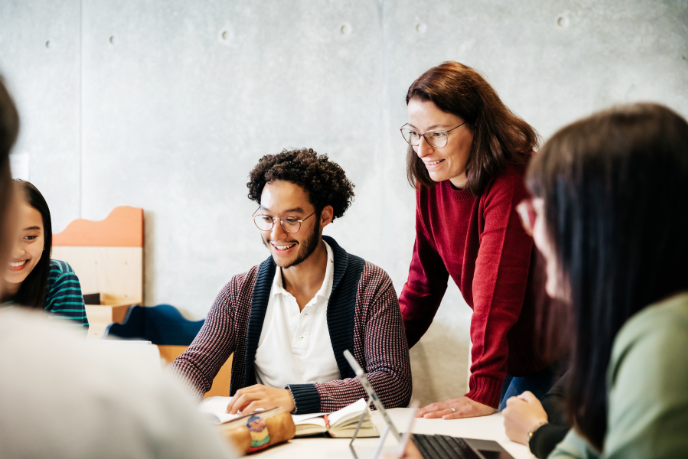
{"x":522,"y":415}
{"x":455,"y":408}
{"x":251,"y":398}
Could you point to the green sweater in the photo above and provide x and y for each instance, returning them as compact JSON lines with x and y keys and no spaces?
{"x":64,"y":297}
{"x":648,"y":388}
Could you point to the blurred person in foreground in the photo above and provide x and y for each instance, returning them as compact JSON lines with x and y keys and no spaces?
{"x":289,"y":319}
{"x":609,"y":213}
{"x":60,"y":398}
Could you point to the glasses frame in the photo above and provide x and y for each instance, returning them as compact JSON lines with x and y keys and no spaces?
{"x":253,"y":217}
{"x":401,"y":129}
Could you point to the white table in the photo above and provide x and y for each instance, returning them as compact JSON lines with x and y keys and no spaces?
{"x":485,"y":428}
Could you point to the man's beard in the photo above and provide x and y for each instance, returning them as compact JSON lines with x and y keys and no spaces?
{"x":309,"y":246}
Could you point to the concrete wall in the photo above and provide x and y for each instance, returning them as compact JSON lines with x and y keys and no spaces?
{"x":167,"y":105}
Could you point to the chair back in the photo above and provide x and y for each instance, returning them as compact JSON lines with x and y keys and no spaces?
{"x":107,"y":256}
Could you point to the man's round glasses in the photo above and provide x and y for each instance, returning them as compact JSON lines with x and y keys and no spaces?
{"x":436,"y":138}
{"x":289,"y":224}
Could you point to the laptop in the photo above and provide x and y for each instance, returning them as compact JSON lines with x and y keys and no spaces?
{"x":430,"y":446}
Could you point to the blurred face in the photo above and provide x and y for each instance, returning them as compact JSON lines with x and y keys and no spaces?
{"x":448,"y":162}
{"x":546,"y":248}
{"x":28,"y":247}
{"x":290,"y":202}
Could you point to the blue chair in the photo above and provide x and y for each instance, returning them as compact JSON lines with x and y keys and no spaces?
{"x":161,"y":325}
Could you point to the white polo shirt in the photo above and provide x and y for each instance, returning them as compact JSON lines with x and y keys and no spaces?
{"x":295,"y":346}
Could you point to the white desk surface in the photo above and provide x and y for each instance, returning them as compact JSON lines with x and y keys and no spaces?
{"x":485,"y":428}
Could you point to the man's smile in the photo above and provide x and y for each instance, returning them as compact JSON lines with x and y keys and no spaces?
{"x":283,"y":246}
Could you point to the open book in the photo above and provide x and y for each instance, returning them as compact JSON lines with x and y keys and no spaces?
{"x":341,"y":423}
{"x":215,"y":409}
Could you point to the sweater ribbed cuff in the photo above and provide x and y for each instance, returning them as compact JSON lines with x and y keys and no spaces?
{"x":306,"y":398}
{"x":485,"y":390}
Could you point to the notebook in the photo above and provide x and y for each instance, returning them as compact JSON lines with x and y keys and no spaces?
{"x":339,"y":424}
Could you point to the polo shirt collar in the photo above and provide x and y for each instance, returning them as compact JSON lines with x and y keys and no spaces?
{"x":325,"y":289}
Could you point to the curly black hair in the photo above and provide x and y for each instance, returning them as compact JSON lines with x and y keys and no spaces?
{"x":323,"y":180}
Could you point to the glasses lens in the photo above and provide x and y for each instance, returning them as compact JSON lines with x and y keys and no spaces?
{"x":410,"y":136}
{"x":263,"y":222}
{"x":291,"y":225}
{"x":436,"y":139}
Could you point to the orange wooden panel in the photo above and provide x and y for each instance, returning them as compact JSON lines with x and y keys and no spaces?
{"x":220,"y":383}
{"x":169,"y":353}
{"x":122,"y":228}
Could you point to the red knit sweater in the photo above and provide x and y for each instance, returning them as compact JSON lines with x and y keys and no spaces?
{"x":481,"y":244}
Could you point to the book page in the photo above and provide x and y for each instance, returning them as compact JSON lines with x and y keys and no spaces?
{"x":355,"y":409}
{"x":311,"y":418}
{"x":216,"y":409}
{"x":318,"y":421}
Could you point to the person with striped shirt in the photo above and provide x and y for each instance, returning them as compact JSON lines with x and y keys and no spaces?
{"x":34,"y":280}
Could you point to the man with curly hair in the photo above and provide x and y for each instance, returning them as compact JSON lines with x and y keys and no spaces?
{"x":288,"y":320}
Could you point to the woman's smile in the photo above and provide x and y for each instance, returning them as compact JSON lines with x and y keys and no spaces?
{"x":18,"y":265}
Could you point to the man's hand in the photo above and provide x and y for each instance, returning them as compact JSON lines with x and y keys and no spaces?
{"x":521,"y":415}
{"x":455,"y":408}
{"x":251,"y":398}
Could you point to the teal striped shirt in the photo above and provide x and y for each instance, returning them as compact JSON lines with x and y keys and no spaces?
{"x":64,"y":293}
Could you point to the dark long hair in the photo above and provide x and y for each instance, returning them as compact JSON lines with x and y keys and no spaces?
{"x":499,"y":136}
{"x":9,"y":130}
{"x":34,"y":290}
{"x":615,"y":189}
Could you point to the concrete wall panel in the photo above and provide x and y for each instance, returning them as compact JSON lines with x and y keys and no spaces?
{"x":180,"y":104}
{"x":39,"y":58}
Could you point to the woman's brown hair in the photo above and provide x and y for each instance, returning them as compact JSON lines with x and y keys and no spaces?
{"x":499,"y":136}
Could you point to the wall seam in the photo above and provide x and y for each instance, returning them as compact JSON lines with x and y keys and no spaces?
{"x":386,"y":123}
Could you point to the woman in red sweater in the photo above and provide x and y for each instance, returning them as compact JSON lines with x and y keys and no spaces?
{"x":466,"y":158}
